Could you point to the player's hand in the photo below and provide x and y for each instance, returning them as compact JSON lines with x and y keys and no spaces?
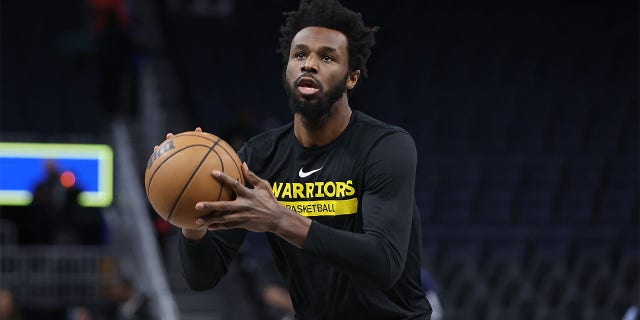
{"x":191,"y":234}
{"x":253,"y":209}
{"x":170,"y":135}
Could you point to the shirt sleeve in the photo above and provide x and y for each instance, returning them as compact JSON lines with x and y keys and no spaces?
{"x":379,"y":253}
{"x":206,"y":261}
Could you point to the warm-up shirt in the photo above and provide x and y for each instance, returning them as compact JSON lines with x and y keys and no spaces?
{"x":362,"y":256}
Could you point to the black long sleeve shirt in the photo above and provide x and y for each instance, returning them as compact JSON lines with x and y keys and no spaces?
{"x":362,"y":255}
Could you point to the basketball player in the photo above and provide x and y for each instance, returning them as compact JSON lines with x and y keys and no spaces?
{"x":333,"y":190}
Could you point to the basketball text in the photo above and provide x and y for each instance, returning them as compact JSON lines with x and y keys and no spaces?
{"x":158,"y":153}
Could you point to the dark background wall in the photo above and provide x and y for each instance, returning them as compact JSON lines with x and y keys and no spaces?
{"x":525,"y":115}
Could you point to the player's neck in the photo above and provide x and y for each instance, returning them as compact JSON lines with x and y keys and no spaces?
{"x":327,"y":130}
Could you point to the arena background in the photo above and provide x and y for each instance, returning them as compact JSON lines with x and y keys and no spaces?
{"x":525,"y":116}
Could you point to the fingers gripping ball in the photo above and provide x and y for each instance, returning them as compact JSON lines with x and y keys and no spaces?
{"x":178,"y":175}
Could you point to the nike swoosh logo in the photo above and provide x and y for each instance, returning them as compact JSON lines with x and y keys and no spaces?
{"x":303,"y":174}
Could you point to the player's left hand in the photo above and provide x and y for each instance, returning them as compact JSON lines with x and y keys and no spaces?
{"x":170,"y":135}
{"x":253,"y":209}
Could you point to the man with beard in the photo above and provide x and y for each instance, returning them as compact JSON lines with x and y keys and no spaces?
{"x":333,"y":190}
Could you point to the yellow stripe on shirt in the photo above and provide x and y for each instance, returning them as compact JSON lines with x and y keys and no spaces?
{"x":323,"y":207}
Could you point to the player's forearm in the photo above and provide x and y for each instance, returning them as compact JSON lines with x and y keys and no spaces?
{"x":292,"y":227}
{"x":369,"y":256}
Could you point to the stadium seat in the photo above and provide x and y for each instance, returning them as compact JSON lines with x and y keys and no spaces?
{"x":620,"y":201}
{"x":458,"y":181}
{"x":619,"y":302}
{"x":429,"y":254}
{"x":535,"y":207}
{"x":501,"y":172}
{"x":548,"y":259}
{"x":536,"y":199}
{"x":568,"y":128}
{"x":623,"y":171}
{"x":464,"y":287}
{"x":604,"y":133}
{"x":8,"y":232}
{"x":523,"y":305}
{"x":455,"y":207}
{"x":598,"y":289}
{"x":425,"y":189}
{"x":458,"y":257}
{"x":572,"y":304}
{"x":424,"y":122}
{"x":582,"y":178}
{"x":542,"y":171}
{"x":495,"y":207}
{"x":501,"y":264}
{"x":619,"y":207}
{"x":629,"y":143}
{"x":496,"y":193}
{"x":592,"y":259}
{"x":541,"y":312}
{"x":475,"y":307}
{"x":554,"y":289}
{"x":527,"y":131}
{"x":626,"y":273}
{"x":478,"y":302}
{"x":454,"y":124}
{"x":510,"y":285}
{"x":490,"y":128}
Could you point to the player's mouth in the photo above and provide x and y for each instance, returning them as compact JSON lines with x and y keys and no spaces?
{"x":307,"y":86}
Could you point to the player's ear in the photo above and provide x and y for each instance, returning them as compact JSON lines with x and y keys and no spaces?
{"x":354,"y":76}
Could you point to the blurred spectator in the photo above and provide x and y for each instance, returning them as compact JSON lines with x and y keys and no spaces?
{"x":277,"y":299}
{"x":264,"y":282}
{"x":8,"y":308}
{"x":431,"y":292}
{"x":164,"y":232}
{"x":80,"y":313}
{"x":115,"y":58}
{"x":240,"y":129}
{"x":631,"y":314}
{"x":245,"y":124}
{"x":82,"y":225}
{"x":132,"y":304}
{"x":49,"y":198}
{"x":55,"y":217}
{"x":273,"y":292}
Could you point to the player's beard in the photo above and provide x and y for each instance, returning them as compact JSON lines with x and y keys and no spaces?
{"x":313,"y":112}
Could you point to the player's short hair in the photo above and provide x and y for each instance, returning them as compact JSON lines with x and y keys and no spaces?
{"x":332,"y":15}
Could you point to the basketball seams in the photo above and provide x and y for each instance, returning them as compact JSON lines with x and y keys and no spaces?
{"x":220,"y":190}
{"x":169,"y":157}
{"x":173,"y":195}
{"x":184,"y":188}
{"x":233,"y":159}
{"x":222,"y":169}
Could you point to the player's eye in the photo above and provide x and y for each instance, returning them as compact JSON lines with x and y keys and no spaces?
{"x":299,"y":55}
{"x":328,"y":58}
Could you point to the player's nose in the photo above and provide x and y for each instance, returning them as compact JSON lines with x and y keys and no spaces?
{"x":310,"y":65}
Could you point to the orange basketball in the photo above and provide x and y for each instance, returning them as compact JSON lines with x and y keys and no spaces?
{"x":178,"y":175}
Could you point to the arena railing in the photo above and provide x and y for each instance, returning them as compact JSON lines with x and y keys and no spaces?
{"x":62,"y":275}
{"x":137,"y":239}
